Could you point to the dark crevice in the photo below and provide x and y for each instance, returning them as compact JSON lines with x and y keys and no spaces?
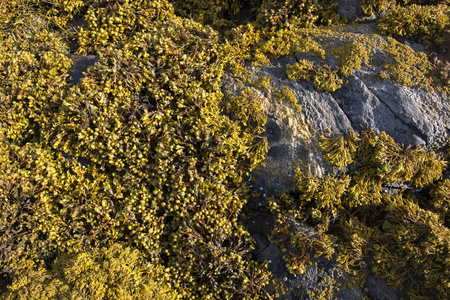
{"x":264,"y":249}
{"x":343,"y":111}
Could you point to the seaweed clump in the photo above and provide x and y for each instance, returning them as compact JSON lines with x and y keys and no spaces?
{"x":142,"y":152}
{"x":324,"y":78}
{"x":218,"y":14}
{"x":33,"y":68}
{"x":56,"y":13}
{"x":112,"y":25}
{"x":274,"y":14}
{"x":312,"y":48}
{"x":370,"y":219}
{"x":297,"y":13}
{"x":408,"y":67}
{"x":426,"y":22}
{"x":350,"y":56}
{"x":378,"y":7}
{"x":96,"y":273}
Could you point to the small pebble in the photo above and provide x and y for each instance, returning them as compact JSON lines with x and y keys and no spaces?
{"x":285,"y":278}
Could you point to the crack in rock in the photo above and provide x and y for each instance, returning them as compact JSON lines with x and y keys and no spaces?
{"x":367,"y":110}
{"x":414,"y":129}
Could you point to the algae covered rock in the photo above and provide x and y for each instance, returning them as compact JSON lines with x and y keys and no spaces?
{"x":373,"y":95}
{"x":191,"y":156}
{"x":415,"y":114}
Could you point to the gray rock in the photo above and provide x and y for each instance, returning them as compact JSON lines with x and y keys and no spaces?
{"x":320,"y":277}
{"x":322,"y":110}
{"x":366,"y":111}
{"x":350,"y":8}
{"x":424,"y":113}
{"x":80,"y":65}
{"x":378,"y":289}
{"x":272,"y":131}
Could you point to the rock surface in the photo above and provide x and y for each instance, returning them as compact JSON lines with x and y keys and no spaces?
{"x":80,"y":65}
{"x":350,"y":9}
{"x":409,"y":115}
